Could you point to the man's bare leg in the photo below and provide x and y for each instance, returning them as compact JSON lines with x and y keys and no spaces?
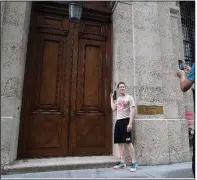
{"x":122,"y":163}
{"x":131,"y":152}
{"x":121,"y":150}
{"x":133,"y":157}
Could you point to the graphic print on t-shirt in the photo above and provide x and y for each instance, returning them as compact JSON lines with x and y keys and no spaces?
{"x":121,"y":105}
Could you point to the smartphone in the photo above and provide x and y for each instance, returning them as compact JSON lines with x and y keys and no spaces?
{"x":114,"y":96}
{"x":181,"y":65}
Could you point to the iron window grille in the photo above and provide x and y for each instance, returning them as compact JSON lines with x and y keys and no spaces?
{"x":187,"y":9}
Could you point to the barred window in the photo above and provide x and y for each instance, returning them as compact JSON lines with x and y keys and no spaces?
{"x":188,"y":28}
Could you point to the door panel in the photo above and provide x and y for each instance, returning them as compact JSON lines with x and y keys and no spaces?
{"x":93,"y":133}
{"x":47,"y":125}
{"x":48,"y":73}
{"x":90,"y":81}
{"x":45,"y":131}
{"x":44,"y":126}
{"x":90,"y":123}
{"x":49,"y":70}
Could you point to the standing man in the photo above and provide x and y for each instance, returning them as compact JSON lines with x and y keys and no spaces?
{"x":186,"y":83}
{"x":125,"y":107}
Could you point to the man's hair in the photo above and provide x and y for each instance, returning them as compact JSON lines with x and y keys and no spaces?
{"x":120,"y":84}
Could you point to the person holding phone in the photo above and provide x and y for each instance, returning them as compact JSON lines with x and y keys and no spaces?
{"x":125,"y":107}
{"x":186,"y":82}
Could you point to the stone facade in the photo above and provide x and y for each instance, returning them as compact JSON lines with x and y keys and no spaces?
{"x":147,"y":42}
{"x":15,"y":20}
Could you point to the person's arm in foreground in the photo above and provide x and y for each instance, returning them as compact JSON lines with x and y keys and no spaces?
{"x":186,"y":82}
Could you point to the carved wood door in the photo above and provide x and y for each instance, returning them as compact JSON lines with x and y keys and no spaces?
{"x":66,"y":105}
{"x":90,"y":123}
{"x":44,"y":117}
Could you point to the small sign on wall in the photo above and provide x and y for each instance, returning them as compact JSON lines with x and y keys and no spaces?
{"x":149,"y":110}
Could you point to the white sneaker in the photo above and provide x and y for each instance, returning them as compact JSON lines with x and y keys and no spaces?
{"x":120,"y":165}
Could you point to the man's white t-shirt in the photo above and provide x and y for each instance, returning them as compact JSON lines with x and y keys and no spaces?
{"x":123,"y":105}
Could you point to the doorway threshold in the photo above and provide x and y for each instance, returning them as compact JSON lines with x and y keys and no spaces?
{"x":59,"y":164}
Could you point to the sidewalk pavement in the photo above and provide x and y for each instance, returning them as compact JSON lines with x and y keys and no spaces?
{"x":180,"y":170}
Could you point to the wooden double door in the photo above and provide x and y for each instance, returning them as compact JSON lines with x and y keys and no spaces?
{"x":66,"y":104}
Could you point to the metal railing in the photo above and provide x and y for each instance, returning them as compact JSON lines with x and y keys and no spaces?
{"x":188,"y":28}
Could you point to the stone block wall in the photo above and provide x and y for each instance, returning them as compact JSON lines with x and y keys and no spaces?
{"x":147,"y":44}
{"x":15,"y":20}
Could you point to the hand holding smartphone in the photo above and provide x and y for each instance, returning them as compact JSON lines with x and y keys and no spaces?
{"x":181,"y":65}
{"x":114,"y":95}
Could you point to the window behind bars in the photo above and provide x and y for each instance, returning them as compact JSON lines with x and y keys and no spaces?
{"x":188,"y":28}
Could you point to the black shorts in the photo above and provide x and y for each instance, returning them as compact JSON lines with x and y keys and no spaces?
{"x":120,"y":132}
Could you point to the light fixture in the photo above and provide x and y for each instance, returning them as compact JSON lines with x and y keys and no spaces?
{"x":75,"y":11}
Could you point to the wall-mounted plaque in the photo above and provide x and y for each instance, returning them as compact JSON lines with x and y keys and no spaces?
{"x":150,"y":110}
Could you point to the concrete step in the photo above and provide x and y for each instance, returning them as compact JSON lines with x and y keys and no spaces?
{"x":58,"y":164}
